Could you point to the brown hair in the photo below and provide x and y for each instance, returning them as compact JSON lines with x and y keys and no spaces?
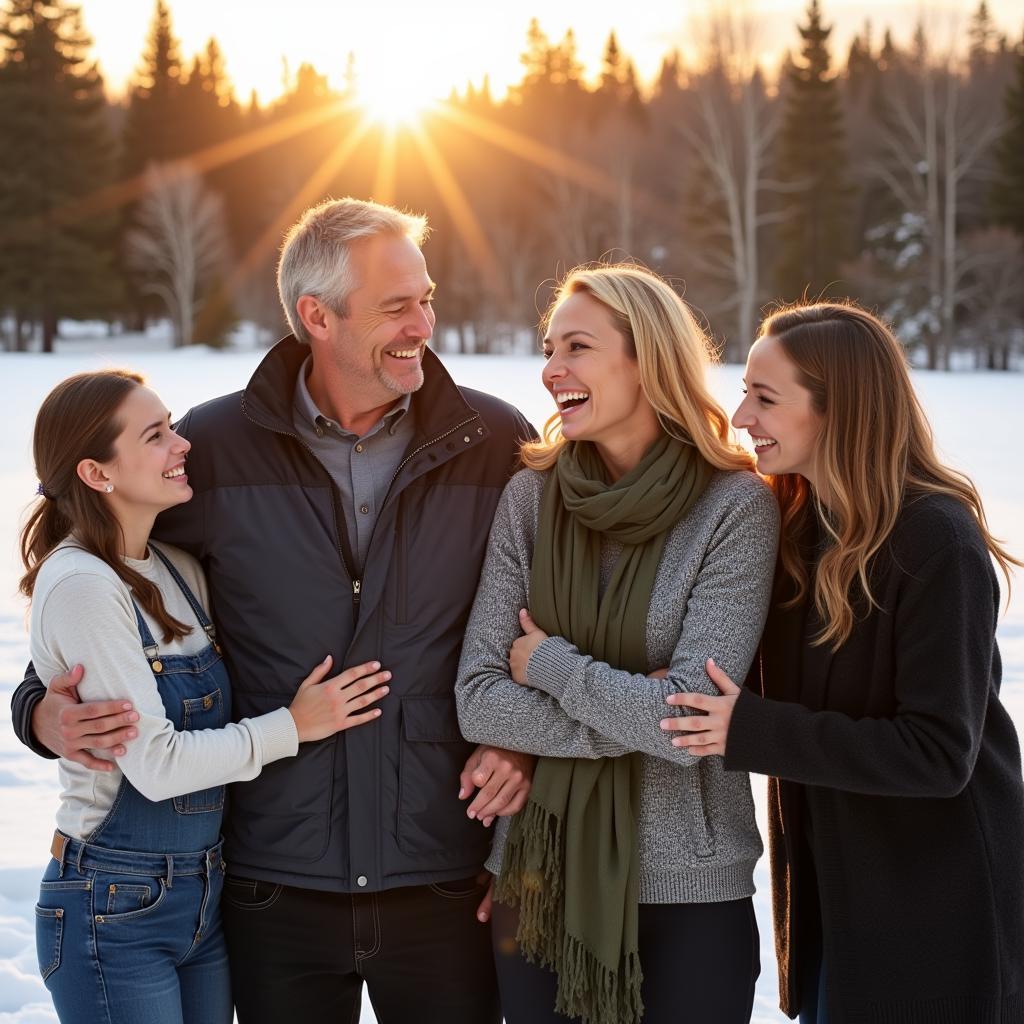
{"x":672,"y":355}
{"x":79,"y":420}
{"x":874,"y":451}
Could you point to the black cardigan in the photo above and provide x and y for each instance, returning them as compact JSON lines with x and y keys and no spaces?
{"x":910,"y":767}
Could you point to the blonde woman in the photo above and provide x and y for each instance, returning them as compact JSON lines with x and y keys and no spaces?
{"x":897,"y":807}
{"x":636,"y":543}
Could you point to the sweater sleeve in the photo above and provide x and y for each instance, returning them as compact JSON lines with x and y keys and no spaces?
{"x":945,"y":633}
{"x":723,"y":619}
{"x":492,"y":708}
{"x":85,"y":618}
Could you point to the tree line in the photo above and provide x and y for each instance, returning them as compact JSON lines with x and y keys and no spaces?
{"x":892,"y":173}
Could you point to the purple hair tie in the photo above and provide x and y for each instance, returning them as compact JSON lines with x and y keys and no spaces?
{"x":43,"y":493}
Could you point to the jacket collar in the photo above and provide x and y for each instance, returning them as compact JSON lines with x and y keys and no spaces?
{"x":267,"y":398}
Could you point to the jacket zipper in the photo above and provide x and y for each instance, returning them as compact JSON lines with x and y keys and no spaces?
{"x":357,"y":583}
{"x":400,"y":611}
{"x":356,"y":577}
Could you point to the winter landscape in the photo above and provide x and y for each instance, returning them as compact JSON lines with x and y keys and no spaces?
{"x":152,"y":156}
{"x":978,"y":420}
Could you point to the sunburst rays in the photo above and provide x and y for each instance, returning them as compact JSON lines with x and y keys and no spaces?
{"x":386,"y":176}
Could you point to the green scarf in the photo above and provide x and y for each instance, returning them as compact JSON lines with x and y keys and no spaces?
{"x":571,"y":861}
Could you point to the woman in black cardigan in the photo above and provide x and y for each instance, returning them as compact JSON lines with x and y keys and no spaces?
{"x":896,"y":804}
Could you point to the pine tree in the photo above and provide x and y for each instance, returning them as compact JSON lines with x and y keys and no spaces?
{"x":618,"y":94}
{"x":155,"y":128}
{"x":889,"y":55}
{"x":810,"y":159}
{"x":669,"y":80}
{"x":860,"y":66}
{"x":1008,"y":191}
{"x":612,"y":65}
{"x":536,"y":58}
{"x":983,"y":37}
{"x":56,"y":257}
{"x":211,"y":116}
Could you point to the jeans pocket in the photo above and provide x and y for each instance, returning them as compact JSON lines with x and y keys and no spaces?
{"x":49,"y":933}
{"x":250,"y":893}
{"x":123,"y":897}
{"x":127,"y":897}
{"x":460,"y":889}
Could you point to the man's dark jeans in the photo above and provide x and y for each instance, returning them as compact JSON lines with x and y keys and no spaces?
{"x":303,"y":955}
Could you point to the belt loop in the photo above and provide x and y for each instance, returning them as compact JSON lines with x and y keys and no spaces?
{"x":78,"y":859}
{"x":170,"y":871}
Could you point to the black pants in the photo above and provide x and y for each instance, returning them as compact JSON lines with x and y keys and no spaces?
{"x":303,"y":955}
{"x":700,"y":964}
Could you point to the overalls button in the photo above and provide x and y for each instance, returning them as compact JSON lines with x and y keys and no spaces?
{"x":361,"y":881}
{"x":157,"y":666}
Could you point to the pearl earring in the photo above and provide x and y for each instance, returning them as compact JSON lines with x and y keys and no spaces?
{"x":109,"y":488}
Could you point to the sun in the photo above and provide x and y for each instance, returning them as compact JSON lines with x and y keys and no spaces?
{"x":392,"y":101}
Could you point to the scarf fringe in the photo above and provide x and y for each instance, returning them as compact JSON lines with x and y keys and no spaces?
{"x":588,"y":989}
{"x":531,"y":878}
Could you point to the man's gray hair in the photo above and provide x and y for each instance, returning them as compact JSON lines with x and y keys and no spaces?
{"x":315,"y":254}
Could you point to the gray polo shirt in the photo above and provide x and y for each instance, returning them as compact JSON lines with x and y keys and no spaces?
{"x":362,"y":467}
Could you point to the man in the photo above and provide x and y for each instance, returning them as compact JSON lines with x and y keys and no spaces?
{"x":342,"y":504}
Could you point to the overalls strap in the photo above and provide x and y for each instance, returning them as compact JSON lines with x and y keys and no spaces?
{"x":148,"y":642}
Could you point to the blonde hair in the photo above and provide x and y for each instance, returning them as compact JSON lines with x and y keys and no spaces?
{"x":672,"y":354}
{"x":875,"y":450}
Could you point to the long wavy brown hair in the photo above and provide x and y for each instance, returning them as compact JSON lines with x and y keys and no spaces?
{"x":79,"y":420}
{"x":672,"y":354}
{"x":875,"y":450}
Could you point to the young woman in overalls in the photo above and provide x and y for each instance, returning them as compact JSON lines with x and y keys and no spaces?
{"x":128,"y":923}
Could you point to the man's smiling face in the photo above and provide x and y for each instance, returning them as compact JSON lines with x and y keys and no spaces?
{"x":377,"y":348}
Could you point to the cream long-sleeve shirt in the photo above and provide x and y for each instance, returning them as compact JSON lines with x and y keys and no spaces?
{"x":82,"y":613}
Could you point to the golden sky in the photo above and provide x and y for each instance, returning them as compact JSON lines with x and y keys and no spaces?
{"x":429,"y":48}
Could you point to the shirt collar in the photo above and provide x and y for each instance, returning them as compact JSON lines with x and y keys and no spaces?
{"x":305,"y":409}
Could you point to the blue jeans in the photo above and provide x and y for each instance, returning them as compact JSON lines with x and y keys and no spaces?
{"x":125,"y":937}
{"x":128,"y":925}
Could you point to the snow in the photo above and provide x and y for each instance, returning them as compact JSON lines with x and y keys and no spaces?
{"x":977,"y":418}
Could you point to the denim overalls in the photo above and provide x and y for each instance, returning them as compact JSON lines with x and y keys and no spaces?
{"x":128,"y":926}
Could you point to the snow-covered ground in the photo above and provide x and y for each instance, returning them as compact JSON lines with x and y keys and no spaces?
{"x":978,"y":418}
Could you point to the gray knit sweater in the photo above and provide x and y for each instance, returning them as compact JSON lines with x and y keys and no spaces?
{"x":698,"y":840}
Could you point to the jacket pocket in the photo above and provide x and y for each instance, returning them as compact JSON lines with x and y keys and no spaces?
{"x":433,"y":753}
{"x":206,"y":712}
